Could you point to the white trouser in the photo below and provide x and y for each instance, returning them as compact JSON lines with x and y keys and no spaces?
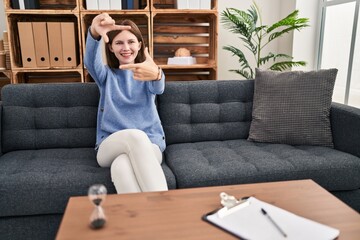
{"x":134,"y":162}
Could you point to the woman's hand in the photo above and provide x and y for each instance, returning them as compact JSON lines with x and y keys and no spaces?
{"x":102,"y":24}
{"x":145,"y":71}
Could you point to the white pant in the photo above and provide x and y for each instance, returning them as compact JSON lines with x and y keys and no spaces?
{"x":134,"y":162}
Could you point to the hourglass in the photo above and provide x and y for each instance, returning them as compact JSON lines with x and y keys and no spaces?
{"x":97,"y":195}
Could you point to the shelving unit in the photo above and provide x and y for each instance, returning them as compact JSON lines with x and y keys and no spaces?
{"x":164,"y":28}
{"x":5,"y":78}
{"x":50,"y":11}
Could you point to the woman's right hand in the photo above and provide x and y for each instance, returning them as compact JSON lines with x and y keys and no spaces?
{"x":102,"y":24}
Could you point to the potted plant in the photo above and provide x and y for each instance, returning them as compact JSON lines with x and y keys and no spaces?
{"x":256,"y":36}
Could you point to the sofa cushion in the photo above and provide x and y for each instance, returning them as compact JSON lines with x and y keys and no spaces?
{"x":41,"y":181}
{"x":37,"y":116}
{"x":206,"y":110}
{"x":48,"y":177}
{"x":241,"y":161}
{"x":293,"y":107}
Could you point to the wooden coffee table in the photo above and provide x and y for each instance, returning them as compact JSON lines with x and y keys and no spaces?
{"x":176,"y":214}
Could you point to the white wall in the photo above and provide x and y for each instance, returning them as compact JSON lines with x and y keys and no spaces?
{"x":305,"y":42}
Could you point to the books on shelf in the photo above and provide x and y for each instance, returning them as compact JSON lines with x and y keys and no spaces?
{"x":112,"y":4}
{"x":193,"y":4}
{"x":25,"y":4}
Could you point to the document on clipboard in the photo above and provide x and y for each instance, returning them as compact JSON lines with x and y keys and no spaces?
{"x":254,"y":219}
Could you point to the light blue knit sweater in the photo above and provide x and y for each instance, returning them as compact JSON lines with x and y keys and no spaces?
{"x":124,"y":103}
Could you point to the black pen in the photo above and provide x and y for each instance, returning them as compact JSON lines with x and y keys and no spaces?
{"x":273,"y":222}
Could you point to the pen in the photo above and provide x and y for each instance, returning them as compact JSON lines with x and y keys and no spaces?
{"x":273,"y":222}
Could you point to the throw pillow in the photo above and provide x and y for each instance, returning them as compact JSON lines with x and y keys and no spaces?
{"x":293,"y":107}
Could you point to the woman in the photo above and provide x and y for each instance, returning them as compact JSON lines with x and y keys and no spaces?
{"x":130,"y":139}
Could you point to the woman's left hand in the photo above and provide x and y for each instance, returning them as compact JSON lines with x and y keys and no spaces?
{"x":145,"y":71}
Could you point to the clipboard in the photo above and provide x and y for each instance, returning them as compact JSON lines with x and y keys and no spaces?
{"x":245,"y":220}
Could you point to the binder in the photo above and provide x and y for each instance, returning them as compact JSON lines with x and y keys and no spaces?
{"x":27,"y":46}
{"x":22,"y":4}
{"x":115,"y":4}
{"x":137,"y":4}
{"x":15,"y":4}
{"x":182,"y":4}
{"x":130,"y":4}
{"x":248,"y":221}
{"x":68,"y":44}
{"x":32,"y":4}
{"x":205,"y":4}
{"x":41,"y":44}
{"x":124,"y":4}
{"x":194,"y":4}
{"x":55,"y":44}
{"x":92,"y":4}
{"x":104,"y":4}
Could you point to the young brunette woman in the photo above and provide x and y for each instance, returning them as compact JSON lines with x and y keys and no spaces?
{"x":130,"y":139}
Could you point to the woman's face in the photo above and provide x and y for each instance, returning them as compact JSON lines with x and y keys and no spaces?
{"x":125,"y":46}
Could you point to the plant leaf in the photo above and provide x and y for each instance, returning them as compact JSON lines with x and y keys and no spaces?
{"x":289,"y":23}
{"x":286,"y":65}
{"x":273,"y":57}
{"x":243,"y":73}
{"x":237,"y":52}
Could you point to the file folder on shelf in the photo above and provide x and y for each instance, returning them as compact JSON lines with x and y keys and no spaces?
{"x":104,"y":4}
{"x":41,"y":44}
{"x":27,"y":44}
{"x":68,"y":44}
{"x":55,"y":44}
{"x":92,"y":4}
{"x":247,"y":220}
{"x":115,"y":4}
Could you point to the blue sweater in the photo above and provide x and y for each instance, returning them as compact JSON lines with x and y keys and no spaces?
{"x":124,"y":103}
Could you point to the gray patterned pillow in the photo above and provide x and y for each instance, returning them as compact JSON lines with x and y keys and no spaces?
{"x":293,"y":107}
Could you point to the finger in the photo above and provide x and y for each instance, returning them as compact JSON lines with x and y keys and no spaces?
{"x":106,"y":20}
{"x":129,"y":66}
{"x":147,"y":54}
{"x":105,"y":37}
{"x":121,"y":27}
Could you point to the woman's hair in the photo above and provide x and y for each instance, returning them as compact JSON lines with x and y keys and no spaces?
{"x":112,"y":61}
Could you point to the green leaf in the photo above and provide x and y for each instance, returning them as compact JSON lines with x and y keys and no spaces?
{"x":243,"y":73}
{"x":286,"y":30}
{"x":237,"y":52}
{"x":273,"y":57}
{"x":286,"y":65}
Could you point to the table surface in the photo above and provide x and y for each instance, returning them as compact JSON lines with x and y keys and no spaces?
{"x":176,"y":214}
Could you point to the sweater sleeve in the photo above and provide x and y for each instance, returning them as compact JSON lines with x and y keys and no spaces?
{"x":93,"y":59}
{"x":157,"y":87}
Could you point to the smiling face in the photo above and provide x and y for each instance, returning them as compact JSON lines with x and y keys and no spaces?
{"x":125,"y":46}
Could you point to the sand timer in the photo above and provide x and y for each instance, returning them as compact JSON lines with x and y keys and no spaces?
{"x":97,"y":195}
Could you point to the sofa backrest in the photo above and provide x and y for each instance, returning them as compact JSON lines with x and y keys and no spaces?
{"x":56,"y":115}
{"x":206,"y":110}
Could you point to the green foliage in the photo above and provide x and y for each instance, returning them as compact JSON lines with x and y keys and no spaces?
{"x":256,"y":36}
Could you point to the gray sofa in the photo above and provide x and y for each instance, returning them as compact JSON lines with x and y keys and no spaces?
{"x":48,"y":136}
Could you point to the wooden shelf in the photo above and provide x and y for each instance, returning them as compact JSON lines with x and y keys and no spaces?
{"x":164,"y":28}
{"x":42,"y":76}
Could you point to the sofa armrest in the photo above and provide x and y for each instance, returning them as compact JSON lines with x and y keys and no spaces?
{"x":345,"y":125}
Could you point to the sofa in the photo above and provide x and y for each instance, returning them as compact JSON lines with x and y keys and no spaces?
{"x":48,"y":137}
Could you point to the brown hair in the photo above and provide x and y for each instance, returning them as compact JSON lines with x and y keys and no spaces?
{"x":112,"y":61}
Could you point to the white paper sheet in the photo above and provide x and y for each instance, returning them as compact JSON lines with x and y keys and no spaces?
{"x":250,"y":223}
